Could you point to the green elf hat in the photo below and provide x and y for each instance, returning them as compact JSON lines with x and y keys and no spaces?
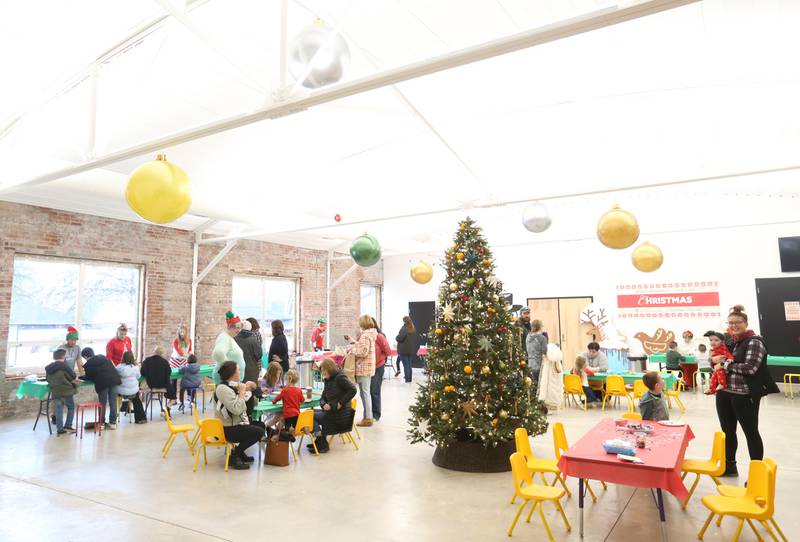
{"x":321,"y":321}
{"x":231,"y":319}
{"x":72,"y":333}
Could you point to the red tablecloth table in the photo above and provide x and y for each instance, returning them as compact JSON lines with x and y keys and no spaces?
{"x":422,"y":352}
{"x":661,"y":470}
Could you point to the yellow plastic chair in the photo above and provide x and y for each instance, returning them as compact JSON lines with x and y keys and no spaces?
{"x":632,"y":416}
{"x":756,"y":504}
{"x":738,"y":491}
{"x":615,"y":387}
{"x":675,"y":393}
{"x":573,"y":387}
{"x":174,"y":431}
{"x":198,"y":422}
{"x":525,"y":489}
{"x":305,"y":426}
{"x":713,"y":467}
{"x":639,"y":389}
{"x":353,"y":405}
{"x":349,"y":434}
{"x":536,"y":464}
{"x":212,"y":434}
{"x":560,"y":445}
{"x":788,"y":380}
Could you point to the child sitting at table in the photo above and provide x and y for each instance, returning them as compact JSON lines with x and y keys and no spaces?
{"x":190,"y":378}
{"x":129,"y":388}
{"x":63,"y":386}
{"x":273,"y":377}
{"x":674,"y":358}
{"x":584,"y":372}
{"x":292,"y":398}
{"x":652,"y":404}
{"x":719,"y":355}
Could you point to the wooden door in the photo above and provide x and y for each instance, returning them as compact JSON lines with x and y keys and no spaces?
{"x":573,"y":338}
{"x":546,"y":310}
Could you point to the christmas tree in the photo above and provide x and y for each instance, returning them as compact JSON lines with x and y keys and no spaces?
{"x":479,"y":387}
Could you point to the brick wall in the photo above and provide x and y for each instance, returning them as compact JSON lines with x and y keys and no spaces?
{"x":165,"y":255}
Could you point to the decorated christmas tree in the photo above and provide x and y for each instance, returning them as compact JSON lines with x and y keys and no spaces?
{"x":479,"y":388}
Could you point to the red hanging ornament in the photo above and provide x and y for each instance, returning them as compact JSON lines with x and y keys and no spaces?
{"x":337,"y":217}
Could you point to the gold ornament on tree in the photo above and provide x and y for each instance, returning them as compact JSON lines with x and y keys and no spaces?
{"x":468,"y":408}
{"x":617,"y":228}
{"x":647,"y":258}
{"x":485,"y":370}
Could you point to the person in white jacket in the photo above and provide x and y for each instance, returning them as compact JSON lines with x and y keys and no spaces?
{"x":129,"y":374}
{"x":551,"y":379}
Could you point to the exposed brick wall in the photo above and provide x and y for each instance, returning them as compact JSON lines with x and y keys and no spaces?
{"x":166,"y":257}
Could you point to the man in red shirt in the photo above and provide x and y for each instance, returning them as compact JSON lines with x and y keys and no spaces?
{"x":119,"y":345}
{"x":318,"y":335}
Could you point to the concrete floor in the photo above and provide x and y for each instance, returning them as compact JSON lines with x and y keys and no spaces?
{"x":118,"y":487}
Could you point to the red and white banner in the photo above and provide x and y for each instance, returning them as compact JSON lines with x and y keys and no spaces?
{"x":695,"y":299}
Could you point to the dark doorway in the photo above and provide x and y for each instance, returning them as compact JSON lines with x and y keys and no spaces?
{"x":423,"y":314}
{"x":778,"y":319}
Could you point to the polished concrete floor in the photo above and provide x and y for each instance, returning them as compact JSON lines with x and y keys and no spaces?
{"x":118,"y":487}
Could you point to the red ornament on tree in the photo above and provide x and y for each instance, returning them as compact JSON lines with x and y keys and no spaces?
{"x":464,"y":298}
{"x":502,"y":329}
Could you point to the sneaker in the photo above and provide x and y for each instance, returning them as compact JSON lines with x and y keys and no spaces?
{"x":140,"y":422}
{"x":111,"y":426}
{"x":61,"y":432}
{"x":366,"y":422}
{"x":68,"y":429}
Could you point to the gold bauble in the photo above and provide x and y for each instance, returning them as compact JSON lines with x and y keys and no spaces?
{"x":647,"y":258}
{"x":421,"y":272}
{"x":617,"y":228}
{"x":159,"y":191}
{"x":485,"y":370}
{"x":502,"y":414}
{"x":453,"y":287}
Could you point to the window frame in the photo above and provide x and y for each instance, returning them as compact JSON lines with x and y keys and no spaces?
{"x":297,"y":333}
{"x":378,"y":300}
{"x":81,"y":262}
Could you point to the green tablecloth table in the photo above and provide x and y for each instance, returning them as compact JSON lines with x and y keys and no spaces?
{"x":661,"y":359}
{"x":265,"y":406}
{"x":786,"y":361}
{"x":670,"y":380}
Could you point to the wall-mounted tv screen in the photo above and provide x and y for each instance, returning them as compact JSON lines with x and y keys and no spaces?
{"x":790,"y":253}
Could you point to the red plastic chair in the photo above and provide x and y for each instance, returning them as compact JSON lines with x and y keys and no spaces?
{"x":98,"y":417}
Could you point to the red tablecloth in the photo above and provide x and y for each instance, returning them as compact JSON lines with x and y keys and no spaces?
{"x":423,"y":351}
{"x":662,"y":460}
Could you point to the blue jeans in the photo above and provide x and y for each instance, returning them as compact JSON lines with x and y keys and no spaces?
{"x":60,"y":402}
{"x":405,"y":359}
{"x":590,"y":396}
{"x":109,"y":396}
{"x":375,"y":391}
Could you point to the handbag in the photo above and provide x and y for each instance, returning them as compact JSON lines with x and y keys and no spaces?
{"x":350,"y":367}
{"x":277,"y":452}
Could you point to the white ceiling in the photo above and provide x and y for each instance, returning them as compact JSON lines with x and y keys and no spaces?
{"x":706,"y":89}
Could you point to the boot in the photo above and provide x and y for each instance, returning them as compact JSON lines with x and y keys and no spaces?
{"x":322,"y":445}
{"x":730,"y":469}
{"x":366,"y":422}
{"x":237,"y":463}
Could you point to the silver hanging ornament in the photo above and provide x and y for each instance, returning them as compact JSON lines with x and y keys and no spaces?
{"x":536,"y":218}
{"x":324,"y":47}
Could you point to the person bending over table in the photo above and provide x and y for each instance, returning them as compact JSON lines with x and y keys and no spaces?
{"x":231,"y":407}
{"x":595,"y":359}
{"x":100,"y":370}
{"x":336,"y":415}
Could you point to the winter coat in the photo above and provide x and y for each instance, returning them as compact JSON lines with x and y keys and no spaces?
{"x":101,"y":371}
{"x":653,"y":407}
{"x":674,"y":360}
{"x":157,"y":373}
{"x":279,"y":347}
{"x":226,"y":349}
{"x":598,"y":364}
{"x":116,"y":347}
{"x":190,"y":376}
{"x":230,"y":408}
{"x":382,"y":350}
{"x":407,"y":343}
{"x":338,"y":391}
{"x":536,"y":346}
{"x":129,"y":374}
{"x":60,"y":378}
{"x":364,"y":351}
{"x":252,"y":352}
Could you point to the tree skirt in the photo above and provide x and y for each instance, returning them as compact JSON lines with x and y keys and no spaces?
{"x":472,"y":456}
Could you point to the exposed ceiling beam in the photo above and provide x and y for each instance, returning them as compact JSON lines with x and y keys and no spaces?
{"x":563,"y":29}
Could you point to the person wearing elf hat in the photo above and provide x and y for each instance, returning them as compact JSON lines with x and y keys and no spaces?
{"x":72,"y":349}
{"x":120,"y":344}
{"x":318,"y":335}
{"x":226,"y":348}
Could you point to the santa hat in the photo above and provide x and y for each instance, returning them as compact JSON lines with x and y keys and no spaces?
{"x":689,"y":333}
{"x":72,"y":333}
{"x":231,"y":319}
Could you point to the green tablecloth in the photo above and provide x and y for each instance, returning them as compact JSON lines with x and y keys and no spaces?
{"x":790,"y":361}
{"x":670,"y":380}
{"x":40,"y":389}
{"x":266,"y":406}
{"x":662,"y":358}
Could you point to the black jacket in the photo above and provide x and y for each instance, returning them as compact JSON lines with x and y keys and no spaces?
{"x":251,"y":348}
{"x":407,"y":343}
{"x":156,"y":372}
{"x":761,"y":383}
{"x":61,"y":379}
{"x":338,"y":391}
{"x":279,"y":347}
{"x":102,"y":372}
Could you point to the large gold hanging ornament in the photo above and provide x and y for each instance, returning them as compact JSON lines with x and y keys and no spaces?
{"x":159,"y":191}
{"x":421,"y":272}
{"x":617,"y":228}
{"x":647,"y":258}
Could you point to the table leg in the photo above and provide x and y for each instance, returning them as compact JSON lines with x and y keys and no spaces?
{"x":580,"y":504}
{"x":661,"y":515}
{"x":46,"y":404}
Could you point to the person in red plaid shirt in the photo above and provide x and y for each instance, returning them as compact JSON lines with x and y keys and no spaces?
{"x":748,"y":381}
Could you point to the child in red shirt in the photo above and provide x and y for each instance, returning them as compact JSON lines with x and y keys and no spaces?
{"x":292,"y":398}
{"x":719,"y":380}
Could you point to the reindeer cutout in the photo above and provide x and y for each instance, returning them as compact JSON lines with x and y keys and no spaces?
{"x":599,"y":317}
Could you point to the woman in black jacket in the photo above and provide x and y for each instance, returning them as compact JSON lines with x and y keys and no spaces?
{"x":336,"y":415}
{"x":251,"y":349}
{"x":279,"y":348}
{"x":407,"y":347}
{"x":100,"y":370}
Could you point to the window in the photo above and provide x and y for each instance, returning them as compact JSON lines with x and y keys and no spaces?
{"x":50,"y":294}
{"x":371,"y":301}
{"x":267,"y":300}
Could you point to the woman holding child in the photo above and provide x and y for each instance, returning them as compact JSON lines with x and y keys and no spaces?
{"x":231,"y":396}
